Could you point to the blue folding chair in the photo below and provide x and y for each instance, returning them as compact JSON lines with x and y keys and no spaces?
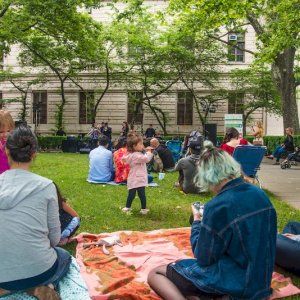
{"x":250,"y":157}
{"x":175,"y":147}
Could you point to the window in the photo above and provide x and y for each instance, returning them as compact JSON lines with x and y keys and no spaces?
{"x":86,"y":107}
{"x":39,"y":107}
{"x":236,"y":47}
{"x":135,"y":108}
{"x":184,"y":108}
{"x":236,"y":103}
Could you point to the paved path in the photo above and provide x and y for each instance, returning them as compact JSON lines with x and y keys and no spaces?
{"x":283,"y":183}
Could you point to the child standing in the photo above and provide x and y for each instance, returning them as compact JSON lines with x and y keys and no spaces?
{"x":137,"y":177}
{"x":68,"y":217}
{"x":6,"y":126}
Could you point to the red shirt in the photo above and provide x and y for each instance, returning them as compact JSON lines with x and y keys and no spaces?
{"x":230,"y":149}
{"x":122,"y":169}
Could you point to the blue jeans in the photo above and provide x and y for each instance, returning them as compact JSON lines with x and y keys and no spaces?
{"x":61,"y":269}
{"x":279,"y":150}
{"x":288,"y":250}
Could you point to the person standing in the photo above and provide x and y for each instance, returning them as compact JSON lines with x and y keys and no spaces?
{"x":258,"y":133}
{"x":137,"y":180}
{"x":94,"y":134}
{"x":150,"y":132}
{"x":107,"y":131}
{"x":125,"y":129}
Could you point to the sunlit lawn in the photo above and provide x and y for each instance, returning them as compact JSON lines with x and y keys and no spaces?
{"x":99,"y":205}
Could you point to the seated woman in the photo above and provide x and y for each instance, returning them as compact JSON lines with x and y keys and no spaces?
{"x":122,"y":170}
{"x":286,"y":147}
{"x":258,"y":133}
{"x":29,"y":223}
{"x":288,"y":248}
{"x":233,"y":242}
{"x":232,"y":140}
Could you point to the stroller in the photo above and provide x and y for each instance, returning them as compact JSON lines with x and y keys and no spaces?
{"x":291,"y":160}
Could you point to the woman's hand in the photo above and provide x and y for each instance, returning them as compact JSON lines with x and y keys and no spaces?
{"x":196,"y":214}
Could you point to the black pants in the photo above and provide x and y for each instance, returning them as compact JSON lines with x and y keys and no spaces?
{"x":131,"y":195}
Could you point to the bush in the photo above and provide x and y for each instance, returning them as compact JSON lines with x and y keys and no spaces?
{"x":50,"y":142}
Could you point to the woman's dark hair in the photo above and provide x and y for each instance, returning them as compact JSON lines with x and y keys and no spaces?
{"x":121,"y":142}
{"x":60,"y":197}
{"x":231,"y":133}
{"x":22,"y":144}
{"x":133,"y":140}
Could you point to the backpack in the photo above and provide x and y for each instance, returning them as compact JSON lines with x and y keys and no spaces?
{"x":157,"y":164}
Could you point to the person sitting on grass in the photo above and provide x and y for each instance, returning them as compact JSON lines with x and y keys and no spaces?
{"x":165,"y":155}
{"x":288,"y":248}
{"x":101,"y":168}
{"x":286,"y":147}
{"x":122,"y":169}
{"x":233,"y":242}
{"x":232,"y":140}
{"x":68,"y":217}
{"x":188,"y":167}
{"x":29,"y":224}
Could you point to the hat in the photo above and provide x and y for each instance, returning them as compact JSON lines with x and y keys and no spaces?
{"x":196,"y":143}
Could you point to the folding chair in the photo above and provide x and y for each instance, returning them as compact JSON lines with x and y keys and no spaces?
{"x":250,"y":157}
{"x":175,"y":147}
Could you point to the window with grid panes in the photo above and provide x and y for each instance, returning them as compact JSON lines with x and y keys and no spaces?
{"x":236,"y":47}
{"x":184,"y":108}
{"x":135,"y":107}
{"x":39,"y":107}
{"x":236,"y":103}
{"x":86,"y":106}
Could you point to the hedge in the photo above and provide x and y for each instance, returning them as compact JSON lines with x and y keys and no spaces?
{"x":55,"y":142}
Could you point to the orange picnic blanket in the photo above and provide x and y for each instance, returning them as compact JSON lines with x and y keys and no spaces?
{"x":122,"y":274}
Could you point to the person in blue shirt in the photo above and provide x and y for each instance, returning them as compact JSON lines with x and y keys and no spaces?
{"x":234,"y":241}
{"x":101,"y":163}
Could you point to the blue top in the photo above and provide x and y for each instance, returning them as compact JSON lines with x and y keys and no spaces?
{"x":234,"y":245}
{"x":101,"y":165}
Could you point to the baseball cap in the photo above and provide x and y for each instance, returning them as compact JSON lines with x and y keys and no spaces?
{"x":196,"y":143}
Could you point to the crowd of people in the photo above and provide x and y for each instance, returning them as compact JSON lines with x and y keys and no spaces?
{"x":234,"y":240}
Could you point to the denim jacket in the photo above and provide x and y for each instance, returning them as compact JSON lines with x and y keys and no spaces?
{"x":234,"y":245}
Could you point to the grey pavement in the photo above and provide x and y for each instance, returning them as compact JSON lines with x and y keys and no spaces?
{"x":283,"y":183}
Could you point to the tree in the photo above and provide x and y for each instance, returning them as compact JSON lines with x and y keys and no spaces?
{"x":259,"y":91}
{"x":147,"y":57}
{"x":19,"y":82}
{"x":275,"y":23}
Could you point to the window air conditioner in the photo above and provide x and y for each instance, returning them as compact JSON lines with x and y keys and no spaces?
{"x":232,"y":37}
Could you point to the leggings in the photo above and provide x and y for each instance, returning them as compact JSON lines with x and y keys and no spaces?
{"x":131,"y":195}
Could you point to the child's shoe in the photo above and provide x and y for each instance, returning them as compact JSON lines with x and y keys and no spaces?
{"x":144,"y":211}
{"x":126,"y":209}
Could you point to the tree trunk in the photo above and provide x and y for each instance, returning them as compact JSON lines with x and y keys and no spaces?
{"x":284,"y":77}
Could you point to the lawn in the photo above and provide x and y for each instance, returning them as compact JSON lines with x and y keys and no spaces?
{"x":99,"y":205}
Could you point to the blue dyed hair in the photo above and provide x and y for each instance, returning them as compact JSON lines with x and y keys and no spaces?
{"x":216,"y":165}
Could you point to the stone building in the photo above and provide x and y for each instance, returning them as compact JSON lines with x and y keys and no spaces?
{"x":116,"y":106}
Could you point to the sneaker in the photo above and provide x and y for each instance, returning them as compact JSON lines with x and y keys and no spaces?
{"x":126,"y":209}
{"x":144,"y":211}
{"x":276,"y":163}
{"x":270,"y":157}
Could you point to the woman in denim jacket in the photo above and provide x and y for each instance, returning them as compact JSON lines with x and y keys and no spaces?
{"x":233,"y":242}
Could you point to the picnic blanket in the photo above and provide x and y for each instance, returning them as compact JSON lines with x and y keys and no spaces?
{"x":151,"y":184}
{"x":71,"y":287}
{"x":123,"y":273}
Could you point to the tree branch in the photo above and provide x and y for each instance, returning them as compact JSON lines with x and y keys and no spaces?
{"x":255,"y":23}
{"x":4,"y":10}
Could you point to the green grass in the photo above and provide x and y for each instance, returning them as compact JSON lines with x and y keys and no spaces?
{"x":99,"y":205}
